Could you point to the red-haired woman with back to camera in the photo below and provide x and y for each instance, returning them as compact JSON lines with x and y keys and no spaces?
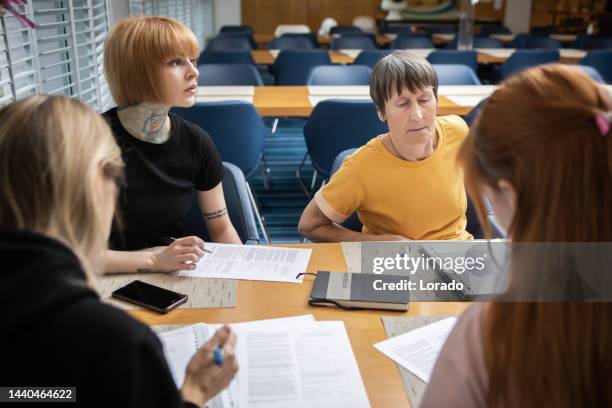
{"x":541,"y":152}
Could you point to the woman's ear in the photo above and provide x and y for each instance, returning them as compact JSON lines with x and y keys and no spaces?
{"x":381,"y":115}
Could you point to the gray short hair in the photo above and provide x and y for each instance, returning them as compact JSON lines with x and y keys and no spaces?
{"x":398,"y":70}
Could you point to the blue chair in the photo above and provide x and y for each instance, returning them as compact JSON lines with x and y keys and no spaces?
{"x":542,"y":43}
{"x":226,"y":57}
{"x":239,"y":208}
{"x":473,"y":224}
{"x":236,"y":29}
{"x":495,"y":30}
{"x":403,"y":42}
{"x":592,"y":72}
{"x":248,"y":37}
{"x":455,"y":74}
{"x":293,"y":66}
{"x":441,"y":29}
{"x":337,"y":125}
{"x":601,"y":60}
{"x":592,"y":42}
{"x":339,"y":75}
{"x":544,"y":31}
{"x":519,"y":41}
{"x":228,"y":74}
{"x":469,"y":58}
{"x":357,"y":42}
{"x":387,"y":27}
{"x":341,"y":30}
{"x":478,"y":42}
{"x":370,"y":57}
{"x":312,"y":37}
{"x":290,"y":43}
{"x":522,"y":59}
{"x":236,"y":129}
{"x":229,"y":43}
{"x":471,"y":117}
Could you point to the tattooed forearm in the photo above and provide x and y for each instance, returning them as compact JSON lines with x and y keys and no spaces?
{"x":215,"y":214}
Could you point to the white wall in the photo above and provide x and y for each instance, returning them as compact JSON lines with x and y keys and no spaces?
{"x":119,"y":9}
{"x":518,"y":15}
{"x":227,"y":12}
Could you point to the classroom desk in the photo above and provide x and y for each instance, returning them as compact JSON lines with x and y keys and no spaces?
{"x":278,"y":101}
{"x":490,"y":56}
{"x":267,"y":300}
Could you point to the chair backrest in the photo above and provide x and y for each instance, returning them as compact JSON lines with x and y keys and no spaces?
{"x":533,"y":43}
{"x":597,"y":43}
{"x":229,"y":43}
{"x":601,"y":60}
{"x":486,"y":42}
{"x":370,"y":57}
{"x":468,"y":58}
{"x":441,"y":29}
{"x":354,"y":41}
{"x":592,"y":72}
{"x":290,"y":28}
{"x":405,"y":42}
{"x":236,"y":29}
{"x":293,"y":66}
{"x":247,"y":36}
{"x":522,"y":59}
{"x":341,"y":30}
{"x":228,"y":74}
{"x":544,"y":31}
{"x":339,"y":75}
{"x":235,"y":127}
{"x":336,"y":125}
{"x":352,"y":222}
{"x":455,"y":74}
{"x":290,"y":43}
{"x":226,"y":57}
{"x":471,"y":117}
{"x":495,"y":30}
{"x":312,"y":37}
{"x":239,"y":209}
{"x":519,"y":40}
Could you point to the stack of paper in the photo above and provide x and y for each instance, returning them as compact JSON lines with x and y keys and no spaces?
{"x":417,"y":350}
{"x":497,"y":52}
{"x":225,"y":93}
{"x":251,"y":262}
{"x":290,"y":362}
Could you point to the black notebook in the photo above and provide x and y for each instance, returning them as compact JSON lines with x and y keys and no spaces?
{"x":357,"y":291}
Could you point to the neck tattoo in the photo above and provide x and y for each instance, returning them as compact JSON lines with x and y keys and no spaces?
{"x":146,"y":121}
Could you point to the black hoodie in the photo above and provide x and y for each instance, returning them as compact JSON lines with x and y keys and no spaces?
{"x":57,"y":332}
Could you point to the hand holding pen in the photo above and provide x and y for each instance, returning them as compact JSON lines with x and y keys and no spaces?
{"x":180,"y":254}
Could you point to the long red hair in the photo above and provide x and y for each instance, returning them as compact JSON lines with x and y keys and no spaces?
{"x":538,"y":132}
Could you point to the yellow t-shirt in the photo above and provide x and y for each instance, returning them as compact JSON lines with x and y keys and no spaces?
{"x":420,"y":200}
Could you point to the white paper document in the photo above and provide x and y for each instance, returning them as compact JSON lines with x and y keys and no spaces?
{"x":466,"y":100}
{"x":571,"y":53}
{"x":251,"y":262}
{"x":443,"y":37}
{"x":307,"y":366}
{"x":324,"y":90}
{"x":314,"y":100}
{"x":497,"y":52}
{"x":275,"y":53}
{"x":418,"y":350}
{"x":226,"y":90}
{"x":219,"y":98}
{"x":351,"y":53}
{"x":448,"y":90}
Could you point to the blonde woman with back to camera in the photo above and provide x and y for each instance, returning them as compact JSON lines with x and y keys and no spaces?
{"x":59,"y":181}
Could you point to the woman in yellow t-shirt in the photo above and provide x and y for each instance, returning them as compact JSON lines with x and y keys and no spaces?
{"x":404,"y":184}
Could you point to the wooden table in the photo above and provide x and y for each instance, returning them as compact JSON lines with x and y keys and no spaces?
{"x":265,"y":57}
{"x":267,"y":300}
{"x":278,"y":101}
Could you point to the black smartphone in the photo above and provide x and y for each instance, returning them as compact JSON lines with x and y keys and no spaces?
{"x":150,"y":296}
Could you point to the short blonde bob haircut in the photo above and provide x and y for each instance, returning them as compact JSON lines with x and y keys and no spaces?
{"x":134,"y":52}
{"x":51,"y":150}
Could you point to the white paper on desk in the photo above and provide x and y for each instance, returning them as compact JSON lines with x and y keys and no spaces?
{"x":226,"y":90}
{"x":314,"y":100}
{"x":275,"y":53}
{"x":571,"y":53}
{"x":466,"y":100}
{"x":447,"y":90}
{"x":418,"y":350}
{"x":563,"y":37}
{"x":353,"y":53}
{"x":307,"y":366}
{"x":219,"y":98}
{"x":324,"y":90}
{"x":497,"y":52}
{"x":251,"y":262}
{"x":181,"y":344}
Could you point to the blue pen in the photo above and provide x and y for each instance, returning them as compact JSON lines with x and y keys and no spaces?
{"x":219,"y":356}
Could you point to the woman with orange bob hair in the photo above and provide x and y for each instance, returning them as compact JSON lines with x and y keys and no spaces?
{"x":150,"y":67}
{"x":541,"y":152}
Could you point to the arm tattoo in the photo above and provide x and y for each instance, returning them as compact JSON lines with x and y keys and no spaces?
{"x":215,"y":214}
